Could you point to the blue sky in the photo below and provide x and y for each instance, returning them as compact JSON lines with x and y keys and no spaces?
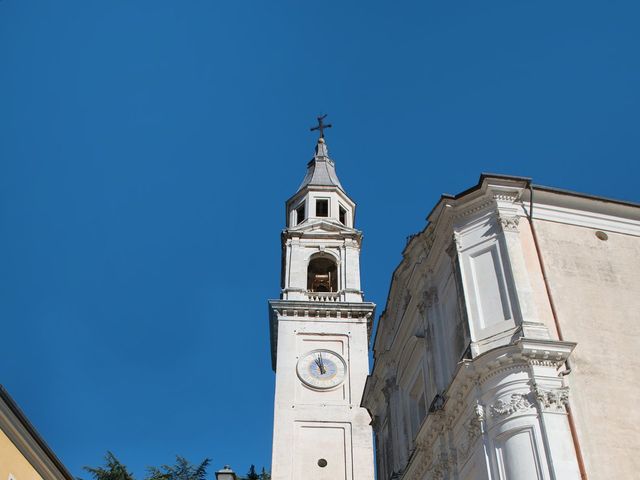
{"x":147,"y":148}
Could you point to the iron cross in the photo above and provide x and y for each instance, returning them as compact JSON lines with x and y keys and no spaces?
{"x":321,"y":126}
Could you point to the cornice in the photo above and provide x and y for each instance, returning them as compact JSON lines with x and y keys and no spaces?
{"x":313,"y":311}
{"x":588,"y":219}
{"x":26,"y":439}
{"x":304,"y":192}
{"x":321,"y":229}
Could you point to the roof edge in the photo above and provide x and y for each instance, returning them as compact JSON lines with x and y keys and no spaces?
{"x":22,"y":418}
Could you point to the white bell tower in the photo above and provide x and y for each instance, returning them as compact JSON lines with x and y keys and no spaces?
{"x":319,"y":336}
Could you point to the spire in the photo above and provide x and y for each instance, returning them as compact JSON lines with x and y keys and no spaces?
{"x":321,"y":170}
{"x":321,"y":148}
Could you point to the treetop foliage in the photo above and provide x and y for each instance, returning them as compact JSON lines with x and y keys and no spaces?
{"x":113,"y":469}
{"x":182,"y":470}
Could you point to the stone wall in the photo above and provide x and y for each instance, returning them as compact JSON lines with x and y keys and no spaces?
{"x":596,"y":288}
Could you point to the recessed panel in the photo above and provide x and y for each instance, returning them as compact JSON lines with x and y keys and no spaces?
{"x":490,"y":290}
{"x":517,"y":456}
{"x":322,"y":451}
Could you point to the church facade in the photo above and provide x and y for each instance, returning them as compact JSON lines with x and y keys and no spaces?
{"x":506,"y":350}
{"x":320,"y":331}
{"x":508,"y":346}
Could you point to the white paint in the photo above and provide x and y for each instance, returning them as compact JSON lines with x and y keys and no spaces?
{"x":321,"y":424}
{"x":468,"y":312}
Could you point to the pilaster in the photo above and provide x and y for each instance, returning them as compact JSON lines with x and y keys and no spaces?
{"x":510,"y":214}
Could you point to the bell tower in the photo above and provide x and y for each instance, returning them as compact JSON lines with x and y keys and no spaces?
{"x":319,"y":336}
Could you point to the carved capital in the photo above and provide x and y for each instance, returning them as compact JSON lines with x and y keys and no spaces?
{"x":429,"y":298}
{"x":454,"y":247}
{"x":390,"y":386}
{"x":554,"y":400}
{"x":509,"y":223}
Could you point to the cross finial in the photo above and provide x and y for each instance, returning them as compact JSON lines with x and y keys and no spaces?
{"x":321,"y":126}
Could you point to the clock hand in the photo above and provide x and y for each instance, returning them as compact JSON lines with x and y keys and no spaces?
{"x":318,"y":362}
{"x":321,"y":365}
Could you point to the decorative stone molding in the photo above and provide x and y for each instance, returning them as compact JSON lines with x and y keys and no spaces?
{"x":301,"y":310}
{"x":429,"y":238}
{"x":544,"y":363}
{"x":390,"y":386}
{"x":546,"y":353}
{"x":452,"y":250}
{"x":464,"y":423}
{"x":502,"y":196}
{"x":474,"y":208}
{"x":429,"y":298}
{"x":472,"y":431}
{"x":456,"y":241}
{"x":443,"y":465}
{"x":501,"y":368}
{"x":554,"y":400}
{"x":455,"y":246}
{"x":509,"y":223}
{"x":423,"y":460}
{"x":517,"y":402}
{"x":437,"y":466}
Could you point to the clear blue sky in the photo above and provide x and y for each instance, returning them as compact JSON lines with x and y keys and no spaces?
{"x":147,"y":148}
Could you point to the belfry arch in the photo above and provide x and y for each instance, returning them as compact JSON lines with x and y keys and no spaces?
{"x":322,"y":274}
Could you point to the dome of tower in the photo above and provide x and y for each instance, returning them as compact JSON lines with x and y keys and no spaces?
{"x":321,"y":170}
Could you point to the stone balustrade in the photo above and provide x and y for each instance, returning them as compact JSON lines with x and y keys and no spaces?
{"x":323,"y":296}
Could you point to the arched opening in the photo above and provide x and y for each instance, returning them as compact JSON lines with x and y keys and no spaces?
{"x":322,"y":275}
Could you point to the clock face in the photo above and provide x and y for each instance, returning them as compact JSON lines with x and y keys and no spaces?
{"x":321,"y":369}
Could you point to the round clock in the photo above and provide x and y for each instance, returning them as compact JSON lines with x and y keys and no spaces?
{"x":321,"y":369}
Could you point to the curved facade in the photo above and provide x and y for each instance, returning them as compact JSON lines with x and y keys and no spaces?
{"x":505,"y":321}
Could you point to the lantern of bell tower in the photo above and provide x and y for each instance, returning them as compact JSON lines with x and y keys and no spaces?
{"x":319,"y":336}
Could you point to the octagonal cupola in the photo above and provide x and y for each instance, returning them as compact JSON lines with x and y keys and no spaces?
{"x":321,"y":196}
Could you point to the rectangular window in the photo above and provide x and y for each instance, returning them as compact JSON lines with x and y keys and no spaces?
{"x":342,"y":215}
{"x":300,"y":214}
{"x":322,"y":208}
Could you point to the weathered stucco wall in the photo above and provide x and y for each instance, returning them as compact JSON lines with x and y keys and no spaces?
{"x":596,"y":288}
{"x":13,"y":465}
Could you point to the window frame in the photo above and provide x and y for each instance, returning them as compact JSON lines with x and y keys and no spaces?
{"x":342,"y":214}
{"x":328,"y":203}
{"x":303,"y":206}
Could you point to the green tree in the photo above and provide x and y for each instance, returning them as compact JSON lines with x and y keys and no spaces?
{"x":264,"y":475}
{"x":252,"y":475}
{"x":112,"y":470}
{"x":182,"y":470}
